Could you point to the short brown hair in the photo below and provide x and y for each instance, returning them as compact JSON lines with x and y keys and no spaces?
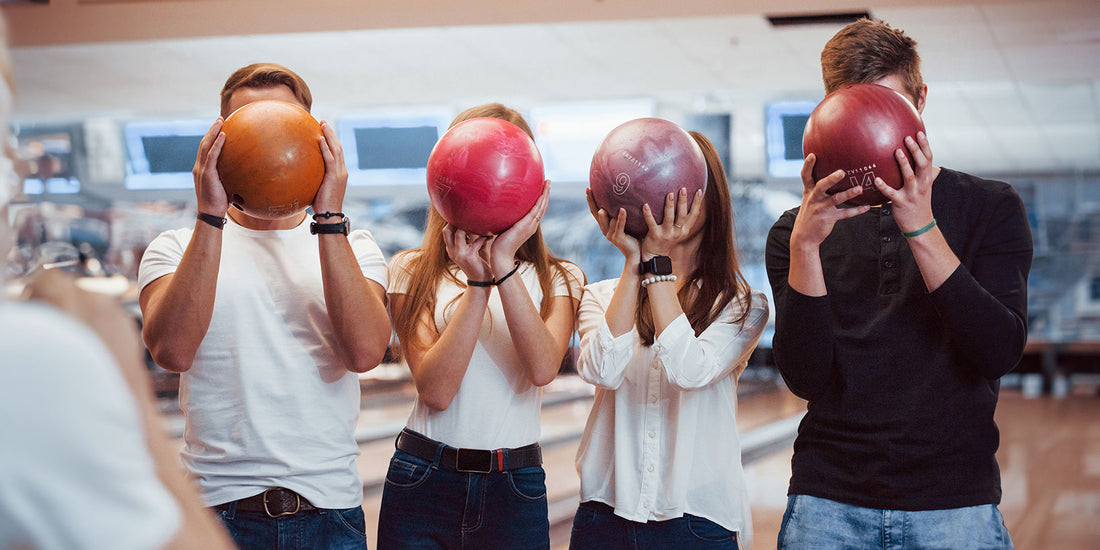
{"x":264,"y":75}
{"x":866,"y":51}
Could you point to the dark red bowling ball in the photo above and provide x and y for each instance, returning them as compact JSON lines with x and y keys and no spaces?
{"x":484,"y":174}
{"x":271,"y":164}
{"x":857,"y":128}
{"x":642,"y":161}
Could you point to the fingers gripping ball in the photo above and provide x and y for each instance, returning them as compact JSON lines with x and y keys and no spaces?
{"x":271,"y":164}
{"x":857,"y":129}
{"x":484,"y":174}
{"x":642,"y":161}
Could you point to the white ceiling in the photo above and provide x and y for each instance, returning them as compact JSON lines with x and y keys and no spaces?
{"x":1013,"y":87}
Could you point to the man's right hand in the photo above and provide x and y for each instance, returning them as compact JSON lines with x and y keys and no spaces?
{"x":211,"y":195}
{"x":820,"y":211}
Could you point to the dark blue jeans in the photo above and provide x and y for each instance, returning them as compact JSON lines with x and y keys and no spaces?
{"x":425,"y":506}
{"x":596,"y":527}
{"x":310,"y":530}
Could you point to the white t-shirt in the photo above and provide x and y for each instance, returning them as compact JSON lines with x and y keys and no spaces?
{"x":268,"y":403}
{"x":496,"y":406}
{"x":661,"y":440}
{"x":75,"y":468}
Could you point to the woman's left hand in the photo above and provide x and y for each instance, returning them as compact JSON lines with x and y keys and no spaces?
{"x":679,"y":224}
{"x":503,"y":247}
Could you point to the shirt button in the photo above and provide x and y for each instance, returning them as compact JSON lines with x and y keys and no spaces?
{"x":885,"y":210}
{"x":650,"y":468}
{"x":652,"y":435}
{"x":654,"y":366}
{"x":887,"y":238}
{"x":888,"y":264}
{"x":653,"y":399}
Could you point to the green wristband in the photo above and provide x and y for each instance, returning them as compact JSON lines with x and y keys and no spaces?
{"x":920,"y":231}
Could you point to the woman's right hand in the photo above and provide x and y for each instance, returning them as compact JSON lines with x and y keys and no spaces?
{"x":466,"y":250}
{"x":614,"y":230}
{"x":211,"y":195}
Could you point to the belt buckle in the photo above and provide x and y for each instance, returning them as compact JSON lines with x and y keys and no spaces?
{"x":297,"y":504}
{"x":477,"y":461}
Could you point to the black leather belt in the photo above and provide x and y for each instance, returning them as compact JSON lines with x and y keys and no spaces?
{"x":273,"y":502}
{"x":469,"y":460}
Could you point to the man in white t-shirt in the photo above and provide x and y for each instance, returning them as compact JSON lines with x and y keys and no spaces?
{"x":84,"y":459}
{"x":268,"y":321}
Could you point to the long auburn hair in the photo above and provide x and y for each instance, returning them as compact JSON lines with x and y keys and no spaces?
{"x":429,"y":265}
{"x":717,"y":277}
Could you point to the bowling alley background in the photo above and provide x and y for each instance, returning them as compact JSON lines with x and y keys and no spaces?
{"x":113,"y":95}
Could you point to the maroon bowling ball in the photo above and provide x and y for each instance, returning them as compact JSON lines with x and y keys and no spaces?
{"x":484,"y":174}
{"x":642,"y":161}
{"x":857,"y":128}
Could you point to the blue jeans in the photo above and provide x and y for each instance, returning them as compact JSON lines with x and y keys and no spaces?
{"x":427,"y":506}
{"x":817,"y":523}
{"x":596,"y":527}
{"x":319,"y":529}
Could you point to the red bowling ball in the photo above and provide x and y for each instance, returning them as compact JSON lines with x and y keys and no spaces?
{"x":857,"y":129}
{"x":640,"y":162}
{"x":484,"y":174}
{"x":271,"y":164}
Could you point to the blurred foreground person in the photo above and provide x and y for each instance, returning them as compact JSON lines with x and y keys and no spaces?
{"x":84,"y":461}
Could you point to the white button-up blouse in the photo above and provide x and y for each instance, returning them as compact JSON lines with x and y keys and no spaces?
{"x":661,"y":440}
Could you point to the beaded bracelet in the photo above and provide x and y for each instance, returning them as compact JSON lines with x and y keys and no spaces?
{"x":656,"y":279}
{"x":328,"y":215}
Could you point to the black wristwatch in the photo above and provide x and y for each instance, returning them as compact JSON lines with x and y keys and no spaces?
{"x":341,"y":227}
{"x":657,"y":265}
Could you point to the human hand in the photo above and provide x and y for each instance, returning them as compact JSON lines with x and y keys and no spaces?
{"x":330,"y":194}
{"x":912,"y":204}
{"x":820,"y":211}
{"x":211,"y":195}
{"x":466,"y":250}
{"x":614,"y":230}
{"x":680,"y":223}
{"x":502,"y":248}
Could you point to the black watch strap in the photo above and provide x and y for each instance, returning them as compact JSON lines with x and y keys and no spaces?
{"x":657,"y":265}
{"x":341,"y":227}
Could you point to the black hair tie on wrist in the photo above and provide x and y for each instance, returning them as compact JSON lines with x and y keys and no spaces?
{"x":479,"y":283}
{"x":510,"y":273}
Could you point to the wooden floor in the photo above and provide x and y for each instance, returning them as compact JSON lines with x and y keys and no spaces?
{"x":1049,"y":458}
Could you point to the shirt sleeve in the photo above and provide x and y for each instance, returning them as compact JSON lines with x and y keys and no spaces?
{"x":723,"y":348}
{"x":603,"y":358}
{"x":162,"y":256}
{"x":569,"y":284}
{"x":78,"y":472}
{"x":802,"y":346}
{"x":983,"y":304}
{"x":369,"y":255}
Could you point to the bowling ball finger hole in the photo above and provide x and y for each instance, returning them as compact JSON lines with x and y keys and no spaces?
{"x":237,"y":202}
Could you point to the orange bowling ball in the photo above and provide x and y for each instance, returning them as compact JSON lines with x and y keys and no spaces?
{"x":271,"y":164}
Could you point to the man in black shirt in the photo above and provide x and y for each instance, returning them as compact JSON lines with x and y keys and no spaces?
{"x":896,"y":322}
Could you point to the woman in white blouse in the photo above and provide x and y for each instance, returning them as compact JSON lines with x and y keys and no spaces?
{"x":660,"y":459}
